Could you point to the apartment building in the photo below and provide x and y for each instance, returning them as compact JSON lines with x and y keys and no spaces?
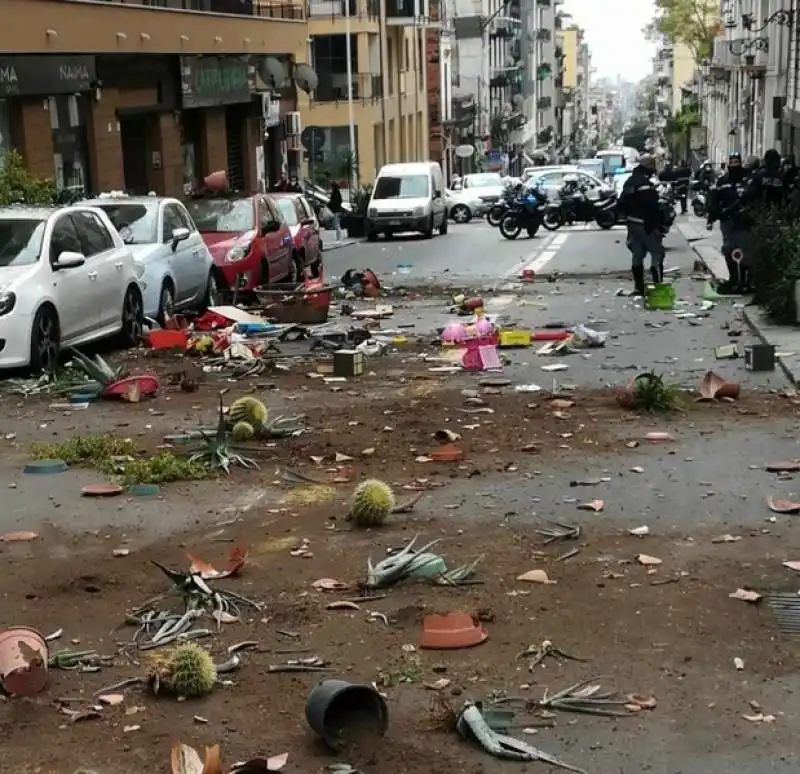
{"x":381,"y":95}
{"x":567,"y":41}
{"x":748,"y":91}
{"x":136,"y":96}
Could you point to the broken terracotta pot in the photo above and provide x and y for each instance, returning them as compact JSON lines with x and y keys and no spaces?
{"x":23,"y":661}
{"x":452,"y":631}
{"x":216,"y":181}
{"x":186,"y":760}
{"x":626,"y":396}
{"x":714,"y":387}
{"x":447,"y":453}
{"x":785,"y":466}
{"x":783,"y":506}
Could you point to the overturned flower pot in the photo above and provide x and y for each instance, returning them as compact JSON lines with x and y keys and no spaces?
{"x":23,"y":661}
{"x":714,"y":387}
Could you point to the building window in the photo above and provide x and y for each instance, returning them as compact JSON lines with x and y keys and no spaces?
{"x":70,"y":144}
{"x":329,"y":57}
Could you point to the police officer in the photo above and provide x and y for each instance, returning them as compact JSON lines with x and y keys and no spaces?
{"x":767,"y":185}
{"x":725,"y":206}
{"x":639,"y":204}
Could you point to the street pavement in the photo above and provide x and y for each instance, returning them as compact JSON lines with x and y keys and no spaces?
{"x":476,"y":251}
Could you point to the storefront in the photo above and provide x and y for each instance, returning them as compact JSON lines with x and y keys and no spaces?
{"x":220,"y":119}
{"x":44,"y":104}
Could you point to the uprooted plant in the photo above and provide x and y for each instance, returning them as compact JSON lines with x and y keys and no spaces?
{"x":220,"y":450}
{"x":374,"y":501}
{"x":418,"y":564}
{"x":651,"y":393}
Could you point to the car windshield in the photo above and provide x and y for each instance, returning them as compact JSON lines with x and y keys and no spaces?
{"x":20,"y":241}
{"x":483,"y":181}
{"x":286,"y":206}
{"x":227,"y":216}
{"x":595,"y":166}
{"x":406,"y":187}
{"x":135,"y":222}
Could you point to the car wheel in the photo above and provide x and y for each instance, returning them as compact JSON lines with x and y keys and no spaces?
{"x":461,"y":214}
{"x":443,"y":227}
{"x":295,"y":272}
{"x":132,"y":319}
{"x":45,"y":341}
{"x":211,"y":297}
{"x":428,"y":232}
{"x":372,"y":236}
{"x":166,"y":303}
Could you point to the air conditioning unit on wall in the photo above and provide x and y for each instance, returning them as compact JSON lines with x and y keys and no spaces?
{"x":292,"y":124}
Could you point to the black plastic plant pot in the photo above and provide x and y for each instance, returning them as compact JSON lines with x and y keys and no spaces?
{"x":341,"y":712}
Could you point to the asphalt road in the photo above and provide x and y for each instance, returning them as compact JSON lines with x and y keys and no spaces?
{"x":477,"y":251}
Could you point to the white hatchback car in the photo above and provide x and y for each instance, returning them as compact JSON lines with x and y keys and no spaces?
{"x":178,"y":267}
{"x":66,"y":278}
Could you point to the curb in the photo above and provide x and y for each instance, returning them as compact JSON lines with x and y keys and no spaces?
{"x":709,"y":255}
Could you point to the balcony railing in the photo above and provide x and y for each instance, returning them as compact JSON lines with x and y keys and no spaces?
{"x":258,"y":8}
{"x":338,"y":9}
{"x":544,"y":34}
{"x":544,"y":103}
{"x":414,"y":12}
{"x":332,"y":87}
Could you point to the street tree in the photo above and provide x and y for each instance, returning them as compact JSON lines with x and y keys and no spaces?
{"x":694,"y":23}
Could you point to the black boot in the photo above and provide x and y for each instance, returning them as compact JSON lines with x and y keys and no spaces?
{"x":730,"y":287}
{"x":657,"y":273}
{"x":745,"y":284}
{"x":638,"y":280}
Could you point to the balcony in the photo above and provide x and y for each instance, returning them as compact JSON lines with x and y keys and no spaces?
{"x":337,"y":10}
{"x":502,"y":28}
{"x":499,"y":80}
{"x":544,"y":34}
{"x":544,"y":103}
{"x":173,"y":27}
{"x":332,"y":87}
{"x":413,"y":13}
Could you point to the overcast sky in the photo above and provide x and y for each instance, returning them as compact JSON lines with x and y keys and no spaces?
{"x":614,"y":33}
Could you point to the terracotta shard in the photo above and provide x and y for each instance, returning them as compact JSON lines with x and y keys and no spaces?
{"x":593,"y":505}
{"x":535,"y":576}
{"x":784,"y":466}
{"x":714,"y":387}
{"x":452,"y":631}
{"x":783,"y":506}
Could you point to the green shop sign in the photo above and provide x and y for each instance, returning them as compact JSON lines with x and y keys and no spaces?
{"x":209,"y":81}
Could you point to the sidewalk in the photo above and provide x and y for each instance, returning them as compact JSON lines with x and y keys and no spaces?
{"x":707,"y":245}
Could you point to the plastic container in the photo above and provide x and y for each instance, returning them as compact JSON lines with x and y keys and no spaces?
{"x":336,"y":709}
{"x":23,"y":661}
{"x":660,"y":296}
{"x":167,"y":339}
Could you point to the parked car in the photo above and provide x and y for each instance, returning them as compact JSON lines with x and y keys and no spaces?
{"x":249,"y":241}
{"x":474,"y":195}
{"x":304,"y":227}
{"x":66,"y":278}
{"x":552,"y":180}
{"x":179,"y":271}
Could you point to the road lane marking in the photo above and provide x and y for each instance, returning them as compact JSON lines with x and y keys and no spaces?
{"x":546,"y":255}
{"x":526,"y":259}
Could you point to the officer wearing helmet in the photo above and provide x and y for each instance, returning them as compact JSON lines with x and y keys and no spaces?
{"x":639,"y":204}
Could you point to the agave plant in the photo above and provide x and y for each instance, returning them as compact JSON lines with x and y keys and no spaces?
{"x":96,"y":369}
{"x":219,"y":452}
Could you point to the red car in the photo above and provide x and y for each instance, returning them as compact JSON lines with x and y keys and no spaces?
{"x":303,"y":224}
{"x":248,"y":238}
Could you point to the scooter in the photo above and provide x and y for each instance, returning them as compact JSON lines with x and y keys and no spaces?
{"x":578,"y":207}
{"x":699,"y":206}
{"x":527,"y":212}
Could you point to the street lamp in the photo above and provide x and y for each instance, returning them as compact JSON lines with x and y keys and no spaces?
{"x":747,"y":46}
{"x":781,"y":17}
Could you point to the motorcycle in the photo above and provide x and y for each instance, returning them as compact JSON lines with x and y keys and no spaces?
{"x":578,"y":207}
{"x":699,"y":205}
{"x":498,"y":211}
{"x":526,"y":212}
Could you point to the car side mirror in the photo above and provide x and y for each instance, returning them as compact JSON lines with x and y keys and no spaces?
{"x":437,"y":194}
{"x":179,"y":235}
{"x":69,"y":260}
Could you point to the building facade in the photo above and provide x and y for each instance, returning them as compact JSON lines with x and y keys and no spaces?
{"x":386,"y":101}
{"x":127,"y":96}
{"x":747,"y":90}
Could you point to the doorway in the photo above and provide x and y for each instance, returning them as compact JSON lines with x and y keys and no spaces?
{"x":135,"y":161}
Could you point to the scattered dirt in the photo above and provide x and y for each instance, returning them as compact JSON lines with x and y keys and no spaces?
{"x":663,"y":631}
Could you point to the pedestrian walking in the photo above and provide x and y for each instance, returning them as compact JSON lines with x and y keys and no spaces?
{"x":640,"y":205}
{"x":725,"y":205}
{"x":336,"y":207}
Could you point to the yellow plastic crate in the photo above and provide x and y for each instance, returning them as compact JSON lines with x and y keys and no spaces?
{"x":514,"y":337}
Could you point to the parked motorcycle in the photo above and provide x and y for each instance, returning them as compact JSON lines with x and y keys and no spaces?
{"x":699,"y":205}
{"x":579,"y":208}
{"x":498,"y":211}
{"x":526,"y":212}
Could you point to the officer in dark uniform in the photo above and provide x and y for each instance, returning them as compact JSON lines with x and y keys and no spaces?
{"x":639,"y":204}
{"x":767,"y":185}
{"x":725,"y":206}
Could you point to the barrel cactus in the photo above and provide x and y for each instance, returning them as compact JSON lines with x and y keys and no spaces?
{"x":250,"y":410}
{"x":187,"y":671}
{"x":242,"y":431}
{"x":373,"y":503}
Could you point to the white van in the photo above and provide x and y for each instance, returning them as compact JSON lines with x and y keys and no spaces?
{"x":407,"y":197}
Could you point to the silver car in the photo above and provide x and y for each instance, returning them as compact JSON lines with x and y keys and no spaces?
{"x":178,"y":270}
{"x":474,"y":196}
